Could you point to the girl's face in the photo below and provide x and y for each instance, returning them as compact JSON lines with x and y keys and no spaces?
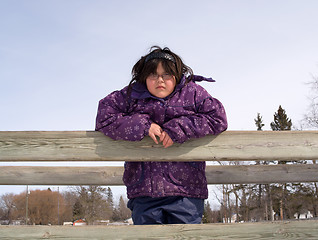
{"x":160,"y":84}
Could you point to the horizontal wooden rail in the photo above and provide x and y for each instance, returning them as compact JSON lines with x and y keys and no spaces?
{"x":257,"y":230}
{"x":94,"y":146}
{"x":112,"y":176}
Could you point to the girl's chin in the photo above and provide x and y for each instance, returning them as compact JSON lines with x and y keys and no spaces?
{"x":161,"y":95}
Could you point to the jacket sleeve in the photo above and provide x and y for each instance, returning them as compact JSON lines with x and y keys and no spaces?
{"x":208,"y":117}
{"x":116,"y":120}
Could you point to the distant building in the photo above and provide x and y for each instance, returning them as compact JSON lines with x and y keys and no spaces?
{"x":303,"y":215}
{"x":101,"y":222}
{"x":79,"y":222}
{"x":233,"y":219}
{"x":13,"y":222}
{"x":67,"y":223}
{"x":4,"y":222}
{"x":129,"y":221}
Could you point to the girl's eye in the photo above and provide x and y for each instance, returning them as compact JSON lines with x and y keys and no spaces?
{"x":154,"y":75}
{"x":165,"y":76}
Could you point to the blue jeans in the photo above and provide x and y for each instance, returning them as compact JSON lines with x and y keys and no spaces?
{"x":166,"y":210}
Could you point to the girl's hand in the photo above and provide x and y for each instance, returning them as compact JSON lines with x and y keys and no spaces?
{"x":166,"y":140}
{"x":155,"y":130}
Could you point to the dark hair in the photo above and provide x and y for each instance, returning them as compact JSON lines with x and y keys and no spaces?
{"x":170,"y":61}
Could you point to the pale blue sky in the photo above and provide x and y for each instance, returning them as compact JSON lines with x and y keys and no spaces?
{"x":58,"y":58}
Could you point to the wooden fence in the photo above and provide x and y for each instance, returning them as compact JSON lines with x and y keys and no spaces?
{"x":90,"y":146}
{"x":94,"y":146}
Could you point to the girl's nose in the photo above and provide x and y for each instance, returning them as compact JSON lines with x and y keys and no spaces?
{"x":160,"y":78}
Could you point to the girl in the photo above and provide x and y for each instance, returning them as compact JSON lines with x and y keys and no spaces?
{"x":163,"y":101}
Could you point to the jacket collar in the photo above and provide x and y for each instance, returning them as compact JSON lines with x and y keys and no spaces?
{"x":140,"y":91}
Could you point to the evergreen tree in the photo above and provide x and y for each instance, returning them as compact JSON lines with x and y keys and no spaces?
{"x":281,"y":121}
{"x":92,"y":204}
{"x":124,"y":211}
{"x":207,"y":213}
{"x":109,"y":198}
{"x":259,"y":122}
{"x":78,"y":211}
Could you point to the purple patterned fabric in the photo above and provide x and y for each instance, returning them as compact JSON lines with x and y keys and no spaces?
{"x":189,"y":112}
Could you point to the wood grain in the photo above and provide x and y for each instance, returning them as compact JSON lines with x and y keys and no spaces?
{"x":94,"y":146}
{"x":112,"y":176}
{"x":306,"y":229}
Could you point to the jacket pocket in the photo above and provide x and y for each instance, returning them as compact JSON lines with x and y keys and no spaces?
{"x":187,"y":173}
{"x":133,"y":174}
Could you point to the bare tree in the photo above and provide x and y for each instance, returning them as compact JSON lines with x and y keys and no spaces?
{"x":311,"y":117}
{"x":8,"y":207}
{"x":70,"y":199}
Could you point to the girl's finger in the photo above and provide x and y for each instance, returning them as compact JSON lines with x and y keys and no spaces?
{"x":168,"y":143}
{"x":162,"y":136}
{"x":153,"y":136}
{"x":166,"y":140}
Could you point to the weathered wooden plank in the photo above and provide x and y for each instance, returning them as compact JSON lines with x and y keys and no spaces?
{"x":111,"y":176}
{"x":30,"y":175}
{"x":94,"y":146}
{"x":307,"y":229}
{"x":262,"y":174}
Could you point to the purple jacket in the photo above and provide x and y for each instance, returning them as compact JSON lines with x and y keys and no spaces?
{"x":189,"y":112}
